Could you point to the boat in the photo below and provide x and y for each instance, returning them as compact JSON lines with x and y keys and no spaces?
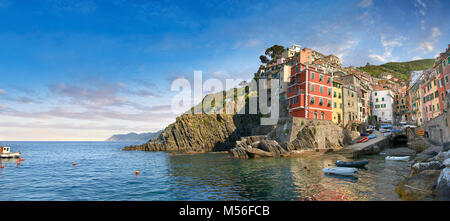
{"x":372,"y":136}
{"x":364,"y":139}
{"x":343,"y":171}
{"x":404,"y":158}
{"x":5,"y":152}
{"x":356,"y":164}
{"x":364,"y":134}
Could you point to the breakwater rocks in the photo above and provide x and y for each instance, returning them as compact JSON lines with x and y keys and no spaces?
{"x":198,"y":133}
{"x":430,"y":176}
{"x":294,"y":136}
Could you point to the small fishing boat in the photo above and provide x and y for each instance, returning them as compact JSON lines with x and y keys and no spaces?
{"x":357,"y":164}
{"x":5,"y":152}
{"x":372,"y":136}
{"x":404,"y":158}
{"x":343,"y":171}
{"x":364,"y":139}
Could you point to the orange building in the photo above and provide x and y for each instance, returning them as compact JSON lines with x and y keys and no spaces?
{"x":310,"y":93}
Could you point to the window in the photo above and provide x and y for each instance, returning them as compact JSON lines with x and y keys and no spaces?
{"x":320,"y":78}
{"x":376,"y":100}
{"x":297,"y":99}
{"x":382,"y":99}
{"x":321,"y":101}
{"x":335,"y":105}
{"x":341,"y":106}
{"x":328,"y":80}
{"x":446,"y":78}
{"x":375,"y":93}
{"x":329,"y":103}
{"x":436,"y":94}
{"x":322,"y":114}
{"x":321,"y":89}
{"x":312,"y":87}
{"x":296,"y":69}
{"x":334,"y":94}
{"x":315,"y":115}
{"x":312,"y":100}
{"x":329,"y":91}
{"x":312,"y":75}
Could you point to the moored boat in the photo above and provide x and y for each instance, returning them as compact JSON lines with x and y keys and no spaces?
{"x":5,"y":152}
{"x":344,"y":171}
{"x":404,"y":158}
{"x":372,"y":136}
{"x":364,"y":139}
{"x":357,"y":164}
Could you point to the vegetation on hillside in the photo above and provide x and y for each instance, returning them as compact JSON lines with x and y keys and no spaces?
{"x":398,"y":69}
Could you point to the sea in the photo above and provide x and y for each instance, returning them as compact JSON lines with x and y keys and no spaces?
{"x":105,"y":172}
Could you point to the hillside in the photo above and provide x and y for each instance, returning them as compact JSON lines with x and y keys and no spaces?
{"x":134,"y":137}
{"x":398,"y":69}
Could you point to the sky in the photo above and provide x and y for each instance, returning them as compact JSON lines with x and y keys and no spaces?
{"x":83,"y":70}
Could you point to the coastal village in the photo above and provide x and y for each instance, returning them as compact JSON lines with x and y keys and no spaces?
{"x":318,"y":87}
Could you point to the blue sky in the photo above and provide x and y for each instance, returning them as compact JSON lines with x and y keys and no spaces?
{"x":87,"y":69}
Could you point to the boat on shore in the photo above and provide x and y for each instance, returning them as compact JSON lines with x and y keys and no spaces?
{"x":343,"y":171}
{"x":363,"y":140}
{"x":5,"y":152}
{"x":393,"y":158}
{"x":372,"y":136}
{"x":356,"y":164}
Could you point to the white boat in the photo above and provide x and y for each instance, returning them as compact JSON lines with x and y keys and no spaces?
{"x":405,"y":158}
{"x":5,"y":152}
{"x":344,"y":171}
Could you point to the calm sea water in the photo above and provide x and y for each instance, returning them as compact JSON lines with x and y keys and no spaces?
{"x":105,"y":172}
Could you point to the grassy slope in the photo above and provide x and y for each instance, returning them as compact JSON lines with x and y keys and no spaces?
{"x":398,"y":69}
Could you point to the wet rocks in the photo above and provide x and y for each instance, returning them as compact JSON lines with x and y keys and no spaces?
{"x":420,"y":187}
{"x":443,"y":186}
{"x":432,"y":165}
{"x":428,"y":153}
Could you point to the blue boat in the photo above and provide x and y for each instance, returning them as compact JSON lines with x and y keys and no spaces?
{"x":372,"y":136}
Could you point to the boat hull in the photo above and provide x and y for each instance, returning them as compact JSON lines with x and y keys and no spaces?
{"x":343,"y":171}
{"x":10,"y":155}
{"x":392,"y":158}
{"x":356,"y":164}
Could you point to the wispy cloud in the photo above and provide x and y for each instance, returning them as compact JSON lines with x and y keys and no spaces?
{"x":365,"y":3}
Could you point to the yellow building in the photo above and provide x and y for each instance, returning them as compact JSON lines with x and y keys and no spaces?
{"x":338,"y":110}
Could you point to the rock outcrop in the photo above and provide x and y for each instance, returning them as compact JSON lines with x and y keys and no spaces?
{"x":293,"y":136}
{"x":421,"y":187}
{"x":204,"y":133}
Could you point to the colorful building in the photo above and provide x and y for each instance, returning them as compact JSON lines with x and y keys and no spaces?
{"x":338,"y":107}
{"x":383,"y":105}
{"x":310,"y":93}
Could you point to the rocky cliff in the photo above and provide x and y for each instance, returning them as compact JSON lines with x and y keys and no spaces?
{"x":204,"y":133}
{"x":294,"y":136}
{"x":133,"y":137}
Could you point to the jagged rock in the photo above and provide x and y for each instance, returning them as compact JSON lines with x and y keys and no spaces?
{"x":442,"y":156}
{"x":443,"y":185}
{"x":401,"y":151}
{"x":428,"y":153}
{"x":419,"y":187}
{"x":272,"y":146}
{"x":256,"y":153}
{"x":433,"y":165}
{"x":239,"y":152}
{"x":205,"y":133}
{"x":446,"y":163}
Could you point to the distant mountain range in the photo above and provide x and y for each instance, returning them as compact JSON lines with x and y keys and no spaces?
{"x":134,"y":137}
{"x":398,"y":69}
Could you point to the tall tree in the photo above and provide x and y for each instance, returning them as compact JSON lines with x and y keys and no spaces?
{"x":264,"y":59}
{"x":275,"y":52}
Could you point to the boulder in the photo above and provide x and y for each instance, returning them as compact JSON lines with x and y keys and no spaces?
{"x":420,"y":187}
{"x":239,"y":152}
{"x":443,"y":156}
{"x":428,"y":153}
{"x":257,"y":153}
{"x":401,"y":151}
{"x":446,"y":163}
{"x":273,"y":147}
{"x":443,"y":185}
{"x":433,"y":165}
{"x":446,"y":146}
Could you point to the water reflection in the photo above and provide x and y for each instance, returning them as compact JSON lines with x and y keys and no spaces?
{"x":217,"y":177}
